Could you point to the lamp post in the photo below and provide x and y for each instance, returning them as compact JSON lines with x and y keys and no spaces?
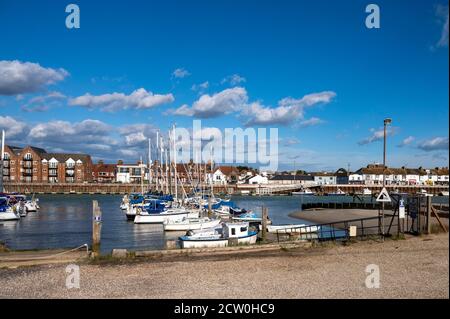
{"x":386,"y":122}
{"x":1,"y":159}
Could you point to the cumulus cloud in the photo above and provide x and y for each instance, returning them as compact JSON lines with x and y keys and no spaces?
{"x":437,"y":143}
{"x":235,"y":100}
{"x":407,"y":141}
{"x":61,"y":132}
{"x":138,"y":99}
{"x":138,"y":134}
{"x":18,"y":77}
{"x":180,"y":73}
{"x":378,"y":135}
{"x":222,"y":103}
{"x":287,"y":111}
{"x":234,"y":80}
{"x":13,"y":128}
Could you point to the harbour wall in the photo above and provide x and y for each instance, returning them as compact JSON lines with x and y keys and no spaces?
{"x":117,"y":188}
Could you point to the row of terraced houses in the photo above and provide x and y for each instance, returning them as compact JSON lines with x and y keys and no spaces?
{"x":35,"y":165}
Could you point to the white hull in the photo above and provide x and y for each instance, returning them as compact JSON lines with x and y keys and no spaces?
{"x":191,"y":224}
{"x":303,"y":229}
{"x":166,"y":217}
{"x":5,"y":216}
{"x":214,"y":243}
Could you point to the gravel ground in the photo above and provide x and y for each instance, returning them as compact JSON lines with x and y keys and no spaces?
{"x":412,"y":268}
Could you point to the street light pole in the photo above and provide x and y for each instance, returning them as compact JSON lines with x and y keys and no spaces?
{"x":2,"y":159}
{"x":386,"y":122}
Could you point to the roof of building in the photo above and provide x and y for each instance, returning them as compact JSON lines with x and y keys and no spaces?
{"x":17,"y":150}
{"x":328,"y":174}
{"x":101,"y":167}
{"x":228,"y":170}
{"x":63,"y":157}
{"x":378,"y":170}
{"x":292,"y":178}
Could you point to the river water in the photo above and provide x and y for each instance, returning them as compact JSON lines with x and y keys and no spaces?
{"x":65,"y":221}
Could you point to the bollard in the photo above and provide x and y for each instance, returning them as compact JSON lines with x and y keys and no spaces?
{"x":96,"y":228}
{"x":264,"y":223}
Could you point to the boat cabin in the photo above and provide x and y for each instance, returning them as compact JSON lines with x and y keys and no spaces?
{"x":235,"y":230}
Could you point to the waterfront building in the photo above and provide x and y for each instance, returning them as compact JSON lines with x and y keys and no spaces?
{"x":286,"y":179}
{"x":104,"y":173}
{"x":342,"y":176}
{"x":324,"y":178}
{"x":131,"y":173}
{"x":224,"y":175}
{"x":34,"y":165}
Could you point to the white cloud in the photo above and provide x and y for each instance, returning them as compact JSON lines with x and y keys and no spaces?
{"x":288,"y":110}
{"x":442,"y":14}
{"x":180,"y":73}
{"x":437,"y":143}
{"x":63,"y":132}
{"x":291,"y":141}
{"x":13,"y":128}
{"x":138,"y":99}
{"x":207,"y":106}
{"x":311,"y":122}
{"x":138,"y":134}
{"x":18,"y":77}
{"x":378,"y":135}
{"x":200,"y":87}
{"x":43,"y":103}
{"x":234,"y":80}
{"x":407,"y":141}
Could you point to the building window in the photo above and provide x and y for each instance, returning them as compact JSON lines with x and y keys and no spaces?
{"x":53,"y":165}
{"x":6,"y":156}
{"x":28,"y":156}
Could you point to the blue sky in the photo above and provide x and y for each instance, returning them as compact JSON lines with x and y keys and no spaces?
{"x":310,"y":68}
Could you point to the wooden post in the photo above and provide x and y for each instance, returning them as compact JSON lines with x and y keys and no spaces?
{"x":429,"y":205}
{"x":96,"y":228}
{"x":264,"y":223}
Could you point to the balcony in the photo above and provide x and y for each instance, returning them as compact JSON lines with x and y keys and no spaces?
{"x":27,"y":164}
{"x":5,"y":163}
{"x":27,"y":172}
{"x":5,"y":172}
{"x":52,"y":172}
{"x":70,"y":172}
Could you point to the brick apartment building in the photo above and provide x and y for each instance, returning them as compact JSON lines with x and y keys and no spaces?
{"x":34,"y":165}
{"x":104,"y":173}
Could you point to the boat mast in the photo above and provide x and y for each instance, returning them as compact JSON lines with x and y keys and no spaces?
{"x":156,"y":168}
{"x":161,"y":163}
{"x":1,"y":161}
{"x":175,"y":162}
{"x":150,"y":177}
{"x":142,"y":166}
{"x":167,"y":171}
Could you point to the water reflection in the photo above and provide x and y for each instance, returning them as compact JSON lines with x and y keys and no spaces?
{"x":66,"y":221}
